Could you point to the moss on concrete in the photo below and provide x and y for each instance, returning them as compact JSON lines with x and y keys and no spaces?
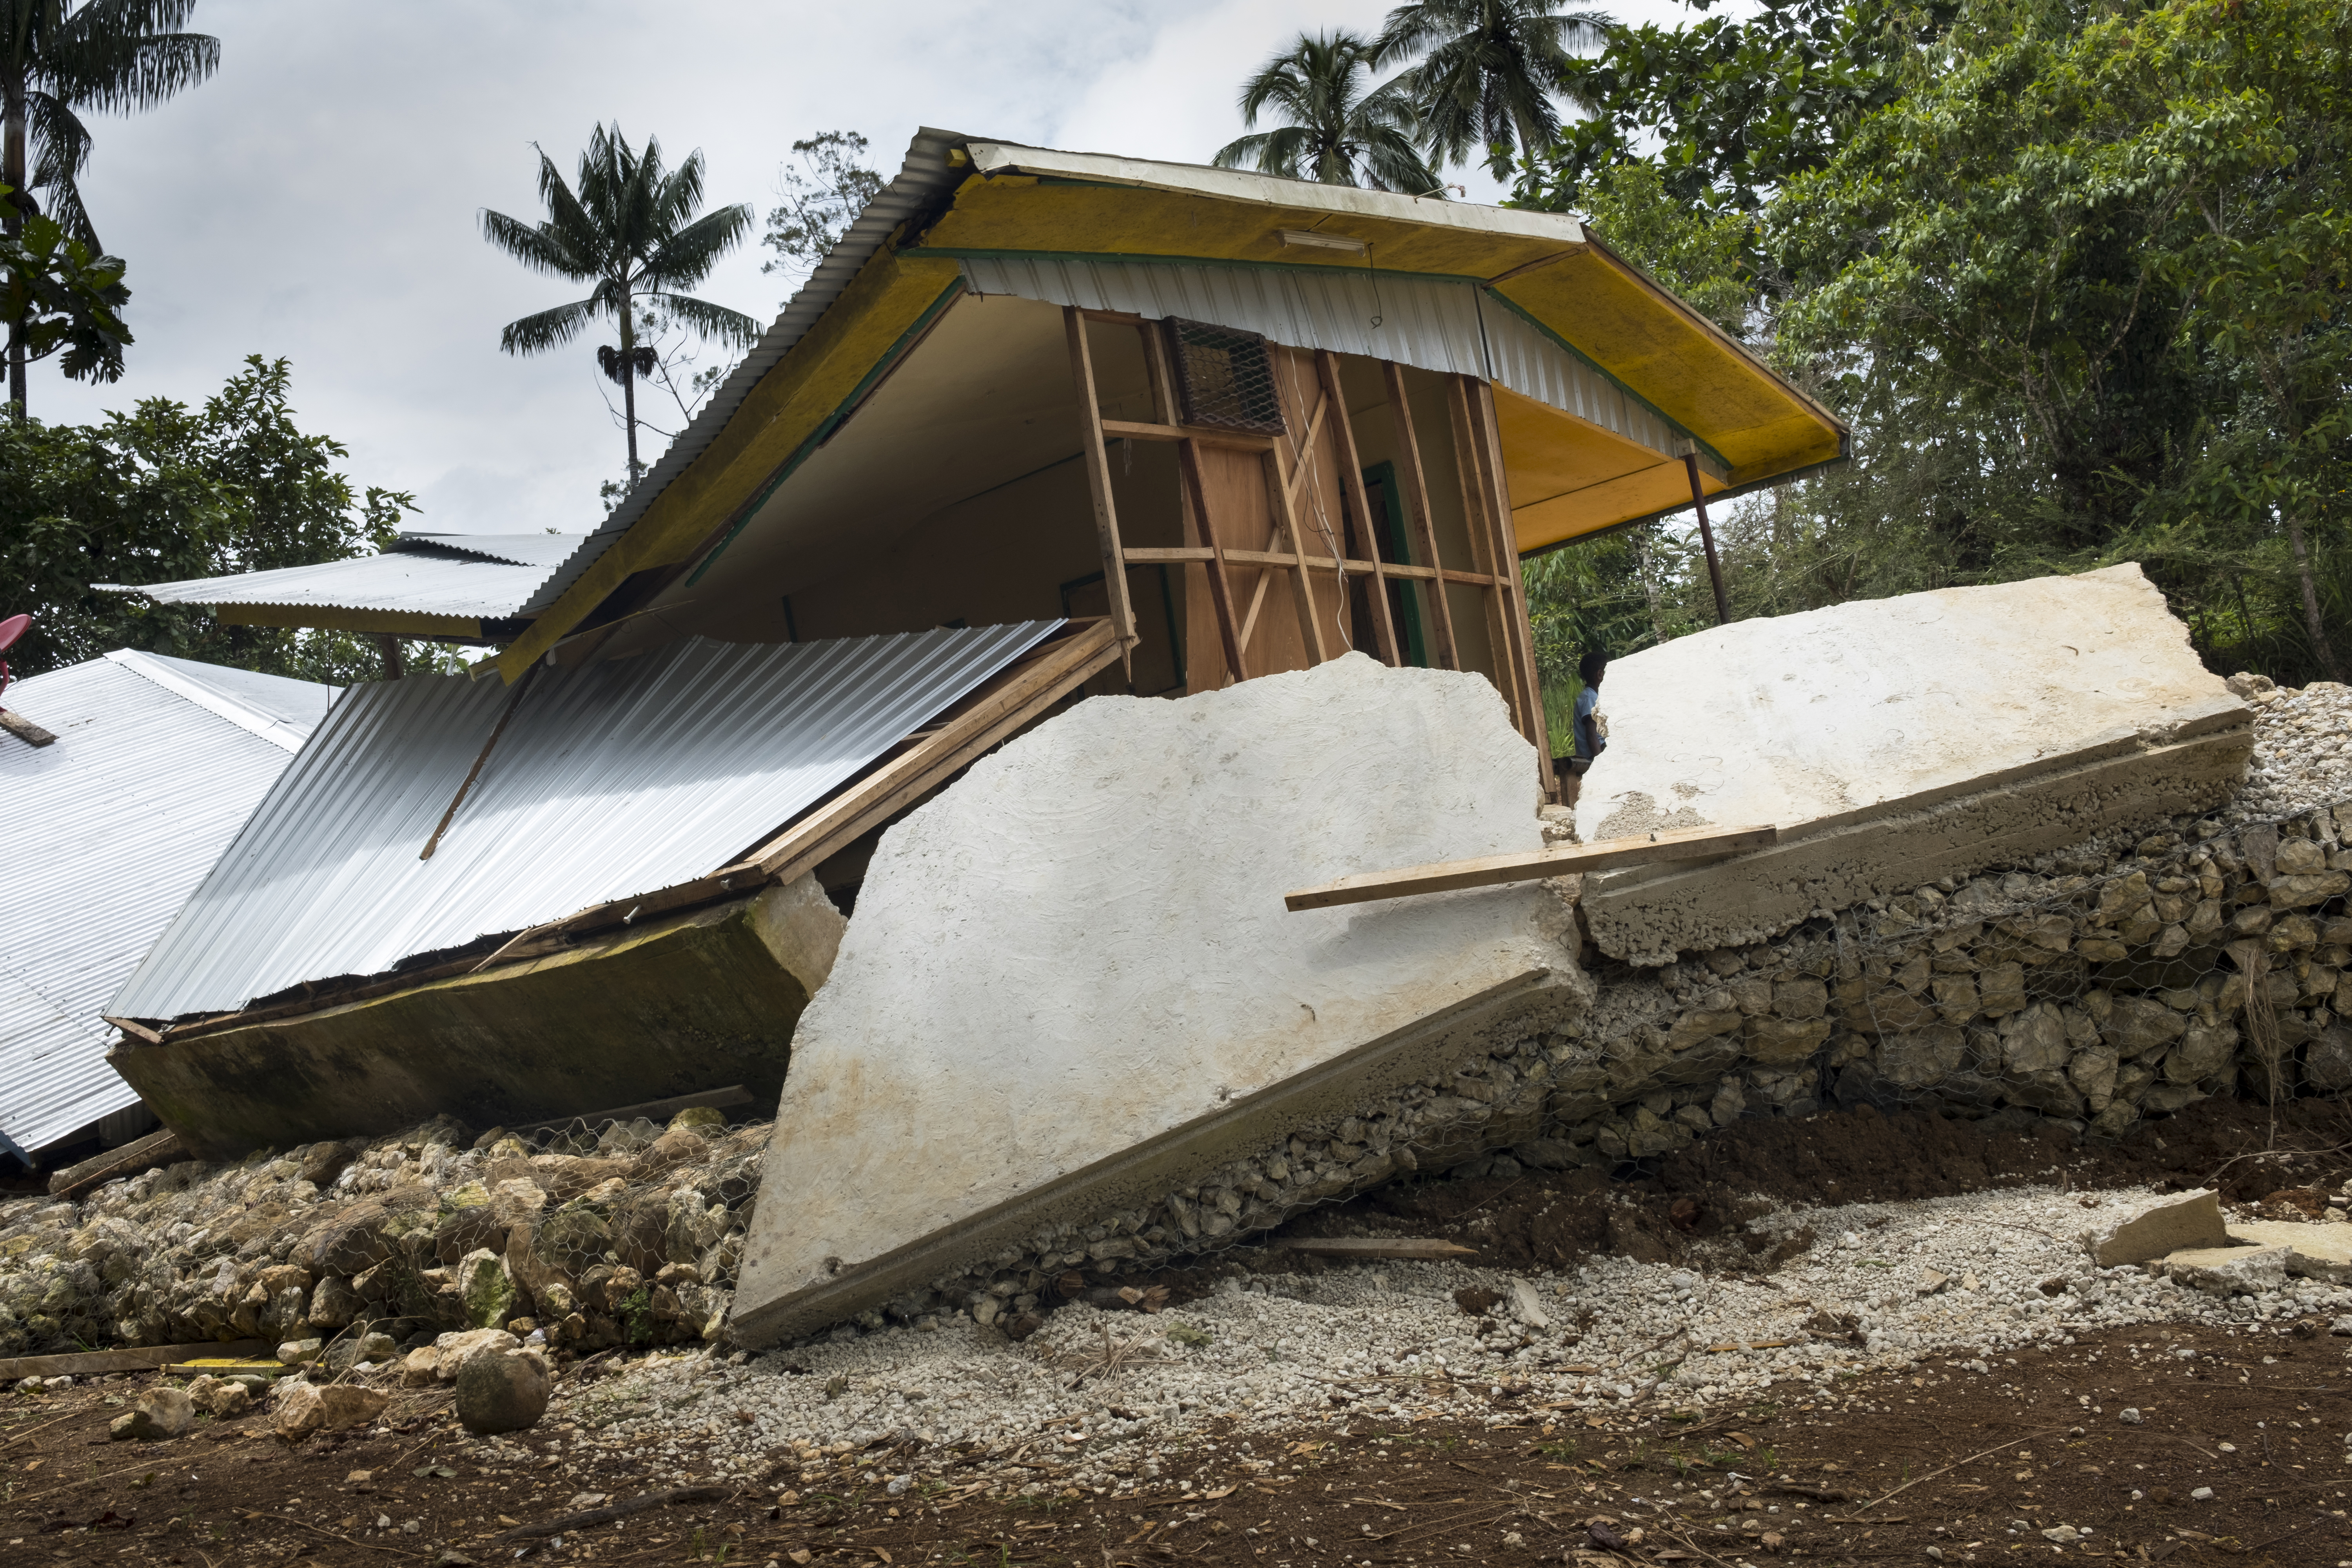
{"x":697,"y":1000}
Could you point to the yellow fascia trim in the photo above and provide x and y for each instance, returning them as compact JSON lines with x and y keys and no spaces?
{"x":336,"y":618}
{"x":803,"y":389}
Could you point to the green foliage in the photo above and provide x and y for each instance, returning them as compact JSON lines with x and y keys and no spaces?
{"x":1333,"y":129}
{"x":1730,"y":108}
{"x":820,"y":200}
{"x":166,"y":492}
{"x":1487,"y":73}
{"x":54,"y":294}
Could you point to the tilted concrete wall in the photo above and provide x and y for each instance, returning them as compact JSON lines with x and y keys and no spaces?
{"x":1894,"y":742}
{"x":1072,"y":985}
{"x":696,"y":1000}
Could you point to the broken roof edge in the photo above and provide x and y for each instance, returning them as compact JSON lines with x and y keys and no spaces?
{"x":219,"y":703}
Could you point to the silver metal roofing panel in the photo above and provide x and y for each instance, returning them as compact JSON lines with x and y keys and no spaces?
{"x":1433,"y":323}
{"x":922,"y":180}
{"x":547,"y":550}
{"x":611,"y":780}
{"x":1273,"y":191}
{"x":418,"y":581}
{"x":108,"y":831}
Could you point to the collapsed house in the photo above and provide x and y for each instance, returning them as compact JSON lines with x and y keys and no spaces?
{"x":153,"y":765}
{"x":1044,"y":426}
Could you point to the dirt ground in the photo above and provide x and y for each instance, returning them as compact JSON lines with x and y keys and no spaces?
{"x":1938,"y":1463}
{"x":2238,"y":1456}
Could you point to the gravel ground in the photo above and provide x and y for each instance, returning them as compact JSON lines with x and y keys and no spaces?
{"x":2303,"y":747}
{"x":1883,"y":1287}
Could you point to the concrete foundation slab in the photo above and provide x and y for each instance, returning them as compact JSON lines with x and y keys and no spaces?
{"x":1894,"y":742}
{"x":1071,"y":983}
{"x":2314,"y":1251}
{"x":695,"y":1000}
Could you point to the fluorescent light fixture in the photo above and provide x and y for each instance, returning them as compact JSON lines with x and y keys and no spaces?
{"x":1314,"y":241}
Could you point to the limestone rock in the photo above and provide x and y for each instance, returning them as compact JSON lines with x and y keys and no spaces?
{"x":334,"y":1303}
{"x":1923,"y":1056}
{"x":1780,"y":1042}
{"x":452,"y":1351}
{"x":2327,"y":1061}
{"x":158,"y":1414}
{"x":2314,"y":1251}
{"x":1529,"y":1305}
{"x":501,"y":1392}
{"x":303,"y":1408}
{"x":2185,"y":1220}
{"x":2229,"y":1270}
{"x":488,"y":1289}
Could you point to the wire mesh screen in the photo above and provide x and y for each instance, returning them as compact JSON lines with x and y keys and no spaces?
{"x":1224,"y":378}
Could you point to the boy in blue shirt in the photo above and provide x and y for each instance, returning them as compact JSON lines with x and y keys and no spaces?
{"x":1590,"y":742}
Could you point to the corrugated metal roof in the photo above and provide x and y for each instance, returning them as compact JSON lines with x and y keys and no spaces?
{"x":548,"y":550}
{"x":1272,"y":190}
{"x":158,"y":762}
{"x":611,"y":780}
{"x":1434,"y":323}
{"x":421,"y":580}
{"x":922,"y":180}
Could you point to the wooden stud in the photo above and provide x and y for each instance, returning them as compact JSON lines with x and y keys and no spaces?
{"x":506,"y":716}
{"x":1478,"y":525}
{"x":389,"y":646}
{"x":132,"y":1027}
{"x":1286,"y":540}
{"x":1415,"y":482}
{"x":25,"y":730}
{"x":1090,"y":430}
{"x":1534,"y":865}
{"x":1351,"y":487}
{"x":1221,"y":586}
{"x":1522,"y":618}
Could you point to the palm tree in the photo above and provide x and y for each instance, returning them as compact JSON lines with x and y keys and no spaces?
{"x":1487,"y":72}
{"x":59,"y":59}
{"x":1336,"y":131}
{"x":630,"y":231}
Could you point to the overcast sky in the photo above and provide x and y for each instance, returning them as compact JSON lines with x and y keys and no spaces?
{"x":317,"y":199}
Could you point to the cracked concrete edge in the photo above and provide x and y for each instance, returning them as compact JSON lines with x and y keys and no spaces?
{"x":1652,"y":915}
{"x":1145,"y":1171}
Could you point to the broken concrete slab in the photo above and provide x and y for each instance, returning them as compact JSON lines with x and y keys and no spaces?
{"x":708,"y":998}
{"x":2151,"y":1230}
{"x":2229,"y":1270}
{"x":2321,"y":1251}
{"x":1895,"y":742}
{"x":1071,"y":984}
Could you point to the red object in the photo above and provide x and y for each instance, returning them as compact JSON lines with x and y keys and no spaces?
{"x":10,"y":629}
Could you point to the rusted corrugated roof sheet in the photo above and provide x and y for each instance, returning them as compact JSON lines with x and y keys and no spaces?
{"x":610,"y":779}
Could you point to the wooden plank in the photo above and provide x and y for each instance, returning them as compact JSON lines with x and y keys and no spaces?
{"x":1221,"y":585}
{"x":160,"y":1147}
{"x":87,"y":1364}
{"x":1208,"y":436}
{"x":1090,"y":435}
{"x":132,"y":1027}
{"x":1414,"y":480}
{"x":1522,"y":618}
{"x":506,"y":716}
{"x":1351,"y":487}
{"x":1286,"y":538}
{"x":1375,"y":1246}
{"x":1479,"y":521}
{"x":25,"y":730}
{"x":1534,"y":865}
{"x":726,"y":1098}
{"x":898,"y":782}
{"x":1144,"y":555}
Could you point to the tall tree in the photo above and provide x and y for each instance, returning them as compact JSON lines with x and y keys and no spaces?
{"x":820,"y":200}
{"x":629,"y":232}
{"x":1336,"y":127}
{"x":1488,"y":72}
{"x":59,"y":60}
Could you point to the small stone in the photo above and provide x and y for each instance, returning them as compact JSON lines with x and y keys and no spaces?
{"x":2063,"y":1534}
{"x":300,"y":1352}
{"x":2130,"y":1416}
{"x":306,"y":1407}
{"x":159,"y":1414}
{"x":501,"y":1392}
{"x":2202,"y":1494}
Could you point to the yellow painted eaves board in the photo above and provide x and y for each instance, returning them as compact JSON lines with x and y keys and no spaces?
{"x":1686,"y":368}
{"x":1579,"y":512}
{"x":335,"y":617}
{"x":887,"y":296}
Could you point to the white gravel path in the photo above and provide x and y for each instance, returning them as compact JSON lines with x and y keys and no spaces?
{"x":1965,"y":1278}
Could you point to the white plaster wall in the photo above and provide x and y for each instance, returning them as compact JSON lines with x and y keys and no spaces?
{"x":1894,"y":742}
{"x":1795,"y":719}
{"x":1081,"y":945}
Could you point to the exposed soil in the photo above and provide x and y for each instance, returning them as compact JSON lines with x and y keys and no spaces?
{"x":1975,"y":1465}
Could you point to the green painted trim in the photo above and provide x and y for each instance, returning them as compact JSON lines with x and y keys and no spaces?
{"x":832,"y":422}
{"x":1142,"y":258}
{"x":1597,"y":368}
{"x":1383,"y":474}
